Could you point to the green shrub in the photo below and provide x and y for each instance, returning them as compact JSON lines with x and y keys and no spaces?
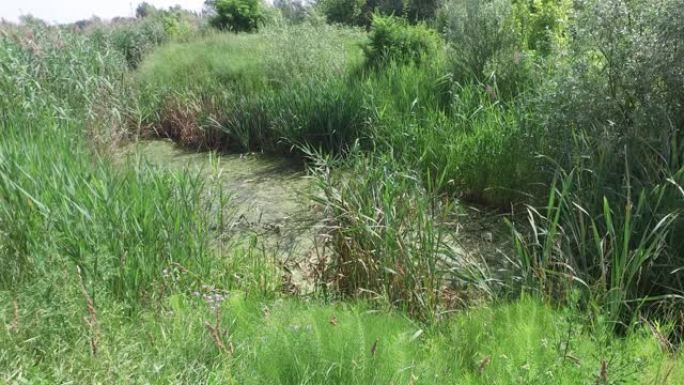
{"x":478,"y":32}
{"x":613,"y":114}
{"x":135,"y":38}
{"x":294,"y":11}
{"x":542,"y":25}
{"x":502,"y":43}
{"x":461,"y":138}
{"x":345,"y":12}
{"x":237,"y":15}
{"x":393,"y":39}
{"x":145,"y":9}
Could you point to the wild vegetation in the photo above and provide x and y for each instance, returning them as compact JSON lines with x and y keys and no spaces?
{"x":559,"y":120}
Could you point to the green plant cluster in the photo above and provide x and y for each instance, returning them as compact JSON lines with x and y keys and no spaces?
{"x":391,"y":39}
{"x":152,"y":27}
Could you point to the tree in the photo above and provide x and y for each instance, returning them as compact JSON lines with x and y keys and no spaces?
{"x":294,"y":11}
{"x":144,"y":9}
{"x":236,"y":15}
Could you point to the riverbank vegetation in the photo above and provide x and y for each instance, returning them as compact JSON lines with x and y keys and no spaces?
{"x":558,"y":121}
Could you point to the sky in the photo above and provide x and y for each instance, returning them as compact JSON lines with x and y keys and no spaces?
{"x":67,"y":11}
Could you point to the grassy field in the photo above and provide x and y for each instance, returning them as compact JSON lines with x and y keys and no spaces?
{"x":561,"y":122}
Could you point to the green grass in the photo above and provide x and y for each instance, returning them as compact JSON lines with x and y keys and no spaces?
{"x":62,"y":204}
{"x":295,"y":342}
{"x":389,"y":238}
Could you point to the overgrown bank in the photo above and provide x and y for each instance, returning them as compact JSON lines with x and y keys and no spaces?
{"x":575,"y":104}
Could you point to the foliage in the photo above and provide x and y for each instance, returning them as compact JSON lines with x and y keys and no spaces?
{"x":345,"y":12}
{"x":133,"y":41}
{"x":613,"y":111}
{"x":145,"y":9}
{"x":385,"y":238}
{"x":481,"y":36}
{"x":65,"y":206}
{"x":135,"y":38}
{"x":504,"y":43}
{"x":360,"y":12}
{"x":542,"y":25}
{"x":293,"y":342}
{"x":595,"y":88}
{"x":236,"y":15}
{"x":393,"y":39}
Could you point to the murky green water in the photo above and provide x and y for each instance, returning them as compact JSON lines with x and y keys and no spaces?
{"x":269,"y":196}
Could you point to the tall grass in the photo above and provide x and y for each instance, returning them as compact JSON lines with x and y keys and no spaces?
{"x":392,"y":144}
{"x":84,"y":235}
{"x":619,"y":254}
{"x":516,"y":80}
{"x":388,"y":240}
{"x":321,"y":92}
{"x":64,"y":204}
{"x":256,"y":92}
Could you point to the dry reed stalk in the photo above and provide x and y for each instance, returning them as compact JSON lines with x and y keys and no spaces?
{"x":219,"y":335}
{"x":483,"y":363}
{"x":92,"y":321}
{"x":14,"y":325}
{"x":603,"y":374}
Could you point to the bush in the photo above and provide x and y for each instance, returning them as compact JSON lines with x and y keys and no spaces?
{"x":502,"y":43}
{"x":614,"y":113}
{"x":359,"y":12}
{"x":542,"y":25}
{"x":478,"y":32}
{"x":293,"y":11}
{"x":393,"y":39}
{"x":145,"y":9}
{"x":237,"y":15}
{"x":349,"y":12}
{"x":135,"y":38}
{"x":463,"y":140}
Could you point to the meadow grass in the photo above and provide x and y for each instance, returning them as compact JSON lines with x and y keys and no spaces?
{"x":246,"y":340}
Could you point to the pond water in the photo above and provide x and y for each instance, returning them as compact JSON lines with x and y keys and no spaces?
{"x":269,"y":196}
